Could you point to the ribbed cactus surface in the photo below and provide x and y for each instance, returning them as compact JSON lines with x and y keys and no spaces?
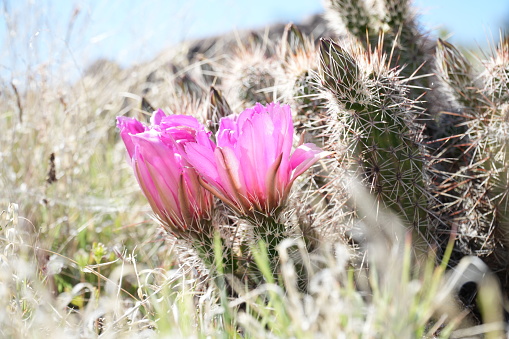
{"x":383,"y":140}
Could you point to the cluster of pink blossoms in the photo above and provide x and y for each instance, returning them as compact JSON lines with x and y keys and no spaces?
{"x":250,"y":167}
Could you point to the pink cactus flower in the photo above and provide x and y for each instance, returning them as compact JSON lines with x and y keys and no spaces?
{"x":167,"y":180}
{"x":252,"y":168}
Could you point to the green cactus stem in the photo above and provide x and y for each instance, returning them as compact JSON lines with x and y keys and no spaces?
{"x":379,"y":128}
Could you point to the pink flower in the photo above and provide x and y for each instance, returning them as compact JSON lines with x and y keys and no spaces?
{"x":252,"y":167}
{"x":168,"y":182}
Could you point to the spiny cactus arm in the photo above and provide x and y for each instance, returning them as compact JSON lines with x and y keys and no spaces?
{"x":352,"y":15}
{"x":456,"y":71}
{"x":394,"y":146}
{"x":292,"y":41}
{"x":480,"y":186}
{"x":496,"y":75}
{"x":251,"y":76}
{"x":397,"y":13}
{"x":380,"y":130}
{"x":491,"y":133}
{"x":340,"y":73}
{"x":406,"y":45}
{"x":297,"y":83}
{"x":395,"y":30}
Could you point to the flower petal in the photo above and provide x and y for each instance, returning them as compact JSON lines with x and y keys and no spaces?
{"x":157,"y":116}
{"x":202,"y":158}
{"x":304,"y":157}
{"x":256,"y":152}
{"x":159,"y":155}
{"x":181,"y":121}
{"x":230,"y":178}
{"x":170,"y":184}
{"x":228,"y":132}
{"x":129,"y":126}
{"x":274,"y":195}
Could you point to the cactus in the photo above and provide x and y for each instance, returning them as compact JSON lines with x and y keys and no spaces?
{"x":468,"y":189}
{"x":456,"y":71}
{"x":352,"y":17}
{"x":489,"y":132}
{"x":479,"y":189}
{"x":319,"y":205}
{"x":250,"y":74}
{"x":299,"y":63}
{"x":463,"y":188}
{"x":381,"y":134}
{"x":431,"y":148}
{"x":388,"y":25}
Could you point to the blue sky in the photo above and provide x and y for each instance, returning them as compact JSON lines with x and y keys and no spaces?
{"x":130,"y":31}
{"x":471,"y":22}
